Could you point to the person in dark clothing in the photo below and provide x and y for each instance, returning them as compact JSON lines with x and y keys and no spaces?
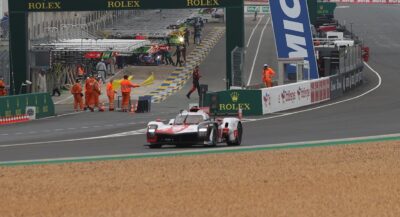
{"x":187,"y":35}
{"x":178,"y":56}
{"x":183,"y":52}
{"x":196,"y":83}
{"x":168,"y":58}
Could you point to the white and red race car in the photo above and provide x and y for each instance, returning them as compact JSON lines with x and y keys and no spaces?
{"x":195,"y":127}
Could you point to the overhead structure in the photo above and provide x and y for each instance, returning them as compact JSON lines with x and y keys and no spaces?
{"x":19,"y":13}
{"x":86,"y":45}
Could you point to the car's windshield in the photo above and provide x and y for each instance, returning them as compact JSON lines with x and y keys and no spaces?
{"x":188,"y":119}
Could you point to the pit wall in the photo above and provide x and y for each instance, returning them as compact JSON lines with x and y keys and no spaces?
{"x":12,"y":106}
{"x":284,"y":97}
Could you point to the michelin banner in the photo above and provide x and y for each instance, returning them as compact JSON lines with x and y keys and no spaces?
{"x":292,"y":31}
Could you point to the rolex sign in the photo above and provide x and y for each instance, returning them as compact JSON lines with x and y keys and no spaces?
{"x":230,"y":101}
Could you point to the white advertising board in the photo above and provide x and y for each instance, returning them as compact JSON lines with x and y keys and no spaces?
{"x":286,"y":97}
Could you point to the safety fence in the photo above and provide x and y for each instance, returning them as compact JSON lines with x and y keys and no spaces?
{"x":14,"y":108}
{"x":284,"y":97}
{"x":365,"y":1}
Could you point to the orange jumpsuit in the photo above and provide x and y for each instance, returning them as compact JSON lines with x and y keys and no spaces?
{"x":126,"y":86}
{"x":268,"y":74}
{"x":76,"y":91}
{"x":110,"y":94}
{"x":92,"y":93}
{"x":3,"y":91}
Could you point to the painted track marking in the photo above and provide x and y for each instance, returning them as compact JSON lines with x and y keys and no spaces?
{"x":258,"y":48}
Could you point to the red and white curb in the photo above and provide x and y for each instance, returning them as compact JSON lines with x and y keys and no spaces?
{"x":14,"y":119}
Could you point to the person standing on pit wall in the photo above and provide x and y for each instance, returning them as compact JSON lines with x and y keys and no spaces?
{"x":101,"y":69}
{"x":268,"y":74}
{"x":93,"y":91}
{"x":126,"y":87}
{"x":76,"y":91}
{"x":196,"y":83}
{"x":3,"y":91}
{"x":111,"y":94}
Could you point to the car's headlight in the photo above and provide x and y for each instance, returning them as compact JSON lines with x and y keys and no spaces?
{"x":203,"y":131}
{"x":152,"y":129}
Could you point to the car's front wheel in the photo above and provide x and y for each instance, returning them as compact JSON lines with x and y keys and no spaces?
{"x":213,"y":137}
{"x":238,"y":139}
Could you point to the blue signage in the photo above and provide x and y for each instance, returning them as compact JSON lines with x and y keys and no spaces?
{"x":292,"y":31}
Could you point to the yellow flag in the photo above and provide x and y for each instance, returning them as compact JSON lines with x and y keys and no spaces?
{"x":149,"y":80}
{"x":117,"y":83}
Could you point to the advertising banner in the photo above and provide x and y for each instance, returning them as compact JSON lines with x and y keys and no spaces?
{"x":16,"y":105}
{"x":264,"y":9}
{"x":336,"y":86}
{"x":320,"y":90}
{"x":230,"y":101}
{"x":293,"y":37}
{"x":286,"y":97}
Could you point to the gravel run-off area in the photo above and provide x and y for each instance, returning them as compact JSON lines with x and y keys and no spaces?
{"x":346,"y":180}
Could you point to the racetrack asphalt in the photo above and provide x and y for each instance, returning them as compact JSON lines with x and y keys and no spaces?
{"x":373,"y":114}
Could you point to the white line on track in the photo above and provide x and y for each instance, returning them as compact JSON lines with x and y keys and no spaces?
{"x":129,"y":133}
{"x":205,"y":150}
{"x":252,"y":32}
{"x":63,"y":100}
{"x":258,"y":48}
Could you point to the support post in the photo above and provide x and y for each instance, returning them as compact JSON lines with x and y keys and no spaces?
{"x":234,"y":37}
{"x":18,"y":50}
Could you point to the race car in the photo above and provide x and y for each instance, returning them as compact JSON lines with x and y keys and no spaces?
{"x":195,"y":127}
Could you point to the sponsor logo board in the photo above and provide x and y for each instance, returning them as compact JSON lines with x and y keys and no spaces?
{"x":286,"y":97}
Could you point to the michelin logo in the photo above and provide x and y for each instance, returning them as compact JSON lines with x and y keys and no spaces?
{"x":293,"y":33}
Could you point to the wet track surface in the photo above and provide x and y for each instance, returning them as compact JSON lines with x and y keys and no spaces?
{"x":373,"y":114}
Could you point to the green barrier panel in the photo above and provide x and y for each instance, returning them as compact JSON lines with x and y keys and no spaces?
{"x":326,"y":8}
{"x":312,"y":11}
{"x":230,"y":101}
{"x":15,"y":105}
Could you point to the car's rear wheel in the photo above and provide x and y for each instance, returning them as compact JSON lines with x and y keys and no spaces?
{"x":238,"y":139}
{"x":155,"y":146}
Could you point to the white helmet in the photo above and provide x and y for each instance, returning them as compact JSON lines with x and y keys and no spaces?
{"x":265,"y":65}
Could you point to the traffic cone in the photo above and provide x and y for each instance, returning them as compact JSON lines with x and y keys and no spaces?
{"x":132,"y":109}
{"x":102,"y":107}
